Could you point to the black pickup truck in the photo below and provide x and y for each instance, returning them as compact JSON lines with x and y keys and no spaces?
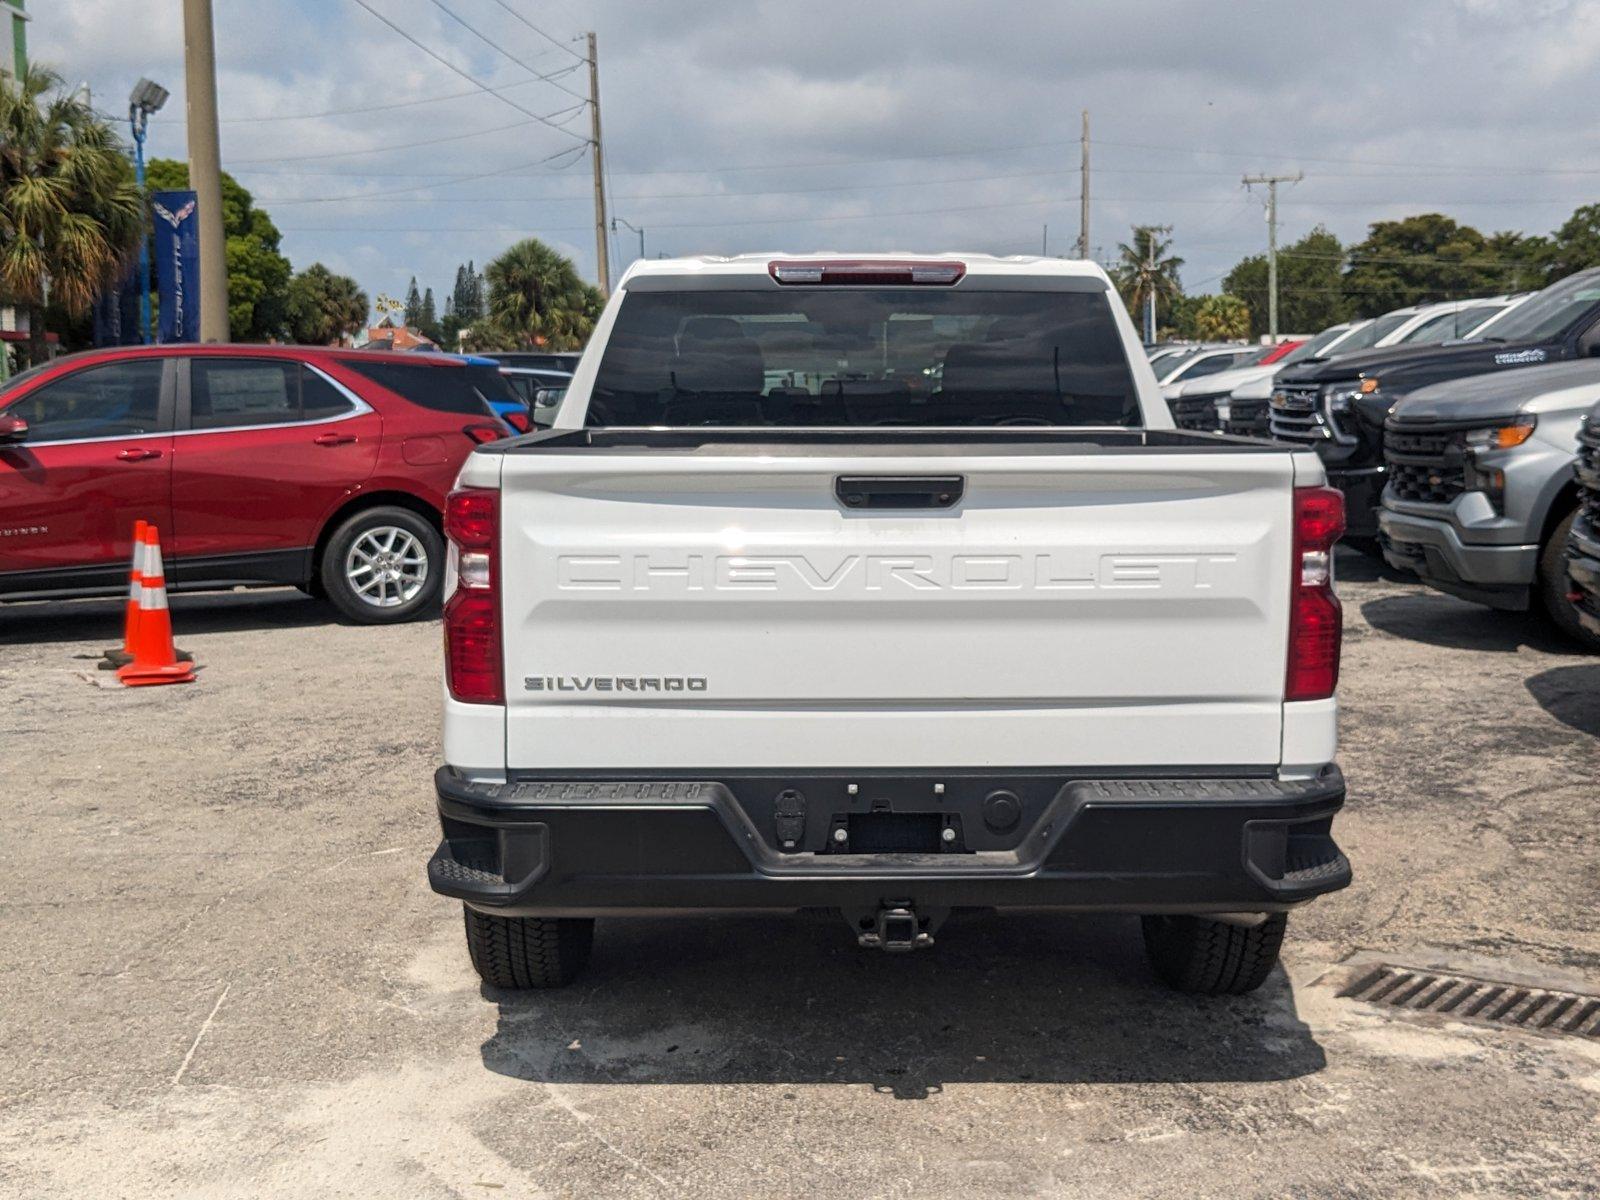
{"x":1339,"y":406}
{"x":1583,"y":548}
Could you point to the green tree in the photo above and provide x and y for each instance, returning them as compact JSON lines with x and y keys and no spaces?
{"x":1311,"y":293}
{"x":1222,"y":319}
{"x":463,"y":308}
{"x":70,"y":215}
{"x":536,"y":298}
{"x":323,"y":308}
{"x":1573,"y":247}
{"x":413,"y":314}
{"x":1426,"y":258}
{"x":469,"y":293}
{"x":1179,"y":322}
{"x":428,"y":319}
{"x":258,"y":272}
{"x":1146,"y":269}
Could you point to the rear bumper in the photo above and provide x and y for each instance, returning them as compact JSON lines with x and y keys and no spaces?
{"x":1498,"y":576}
{"x":1170,"y":845}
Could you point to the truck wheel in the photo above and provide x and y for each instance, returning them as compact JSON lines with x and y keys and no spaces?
{"x":383,"y":565}
{"x":1195,"y":954}
{"x":1553,"y":586}
{"x":527,"y":952}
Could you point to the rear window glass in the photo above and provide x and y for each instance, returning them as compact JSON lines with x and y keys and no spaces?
{"x":856,"y":356}
{"x":439,"y":387}
{"x":492,"y":385}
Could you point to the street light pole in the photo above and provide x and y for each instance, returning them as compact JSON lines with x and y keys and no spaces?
{"x":139,"y":118}
{"x":146,"y":98}
{"x":615,"y":221}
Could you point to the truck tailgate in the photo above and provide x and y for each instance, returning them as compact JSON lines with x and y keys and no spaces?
{"x":702,"y":612}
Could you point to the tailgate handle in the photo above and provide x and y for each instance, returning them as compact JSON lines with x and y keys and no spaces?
{"x":899,"y":491}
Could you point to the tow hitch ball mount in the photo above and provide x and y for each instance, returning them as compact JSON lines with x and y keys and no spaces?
{"x":895,"y":928}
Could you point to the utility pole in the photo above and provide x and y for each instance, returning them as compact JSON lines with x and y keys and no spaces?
{"x":1044,"y":244}
{"x":1272,"y":182}
{"x":1150,"y":274}
{"x":601,"y":251}
{"x":1083,"y":194}
{"x":205,"y":165}
{"x":1150,"y":297}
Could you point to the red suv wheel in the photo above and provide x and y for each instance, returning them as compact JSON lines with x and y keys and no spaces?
{"x":383,"y":565}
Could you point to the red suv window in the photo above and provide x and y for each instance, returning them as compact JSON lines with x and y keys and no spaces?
{"x":120,"y":399}
{"x":229,"y":393}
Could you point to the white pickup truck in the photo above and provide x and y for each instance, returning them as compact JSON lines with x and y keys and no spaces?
{"x":885,"y":586}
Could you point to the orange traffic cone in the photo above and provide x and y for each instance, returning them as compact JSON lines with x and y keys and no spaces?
{"x":121,"y":657}
{"x":154,"y":658}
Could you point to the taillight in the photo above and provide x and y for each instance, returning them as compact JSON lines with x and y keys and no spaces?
{"x":518,"y":421}
{"x":472,"y":668}
{"x":1316,"y":622}
{"x":866,"y":271}
{"x":483,"y":433}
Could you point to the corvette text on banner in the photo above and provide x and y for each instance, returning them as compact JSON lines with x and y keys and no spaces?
{"x":177,"y":228}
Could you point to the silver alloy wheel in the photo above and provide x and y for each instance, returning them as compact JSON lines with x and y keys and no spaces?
{"x":386,"y":566}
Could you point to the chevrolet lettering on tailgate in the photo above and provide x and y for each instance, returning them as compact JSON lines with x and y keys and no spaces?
{"x":852,"y":573}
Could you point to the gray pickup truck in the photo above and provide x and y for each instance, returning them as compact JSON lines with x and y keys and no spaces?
{"x":1482,"y":495}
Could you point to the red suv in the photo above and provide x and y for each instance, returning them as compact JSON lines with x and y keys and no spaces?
{"x":325,"y":469}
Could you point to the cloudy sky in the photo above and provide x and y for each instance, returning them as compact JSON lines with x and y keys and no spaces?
{"x":823,"y":124}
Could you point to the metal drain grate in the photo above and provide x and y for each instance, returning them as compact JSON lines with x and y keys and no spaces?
{"x":1463,"y":998}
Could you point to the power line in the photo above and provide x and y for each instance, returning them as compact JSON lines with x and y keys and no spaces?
{"x":843,"y":187}
{"x":777,"y":220}
{"x":1356,"y":257}
{"x":504,"y":53}
{"x":559,"y":45}
{"x":575,"y":151}
{"x":1444,"y":168}
{"x":437,"y":57}
{"x":360,"y":174}
{"x":273,"y":118}
{"x":570,"y":111}
{"x":1438,"y":204}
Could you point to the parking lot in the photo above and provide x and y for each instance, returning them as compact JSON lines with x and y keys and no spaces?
{"x":222,"y":972}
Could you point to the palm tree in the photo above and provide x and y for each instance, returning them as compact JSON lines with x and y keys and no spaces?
{"x":1222,"y":318}
{"x":1146,"y":273}
{"x":70,"y":215}
{"x":537,"y":299}
{"x":324,"y":308}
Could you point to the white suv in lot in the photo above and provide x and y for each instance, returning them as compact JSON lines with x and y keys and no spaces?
{"x":886,"y":586}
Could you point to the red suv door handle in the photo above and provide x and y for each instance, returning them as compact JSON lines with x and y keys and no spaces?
{"x":137,"y":454}
{"x":335,"y":439}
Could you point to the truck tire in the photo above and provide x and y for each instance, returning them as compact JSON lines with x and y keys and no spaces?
{"x":1212,"y":958}
{"x":527,"y":952}
{"x":383,"y":565}
{"x":1553,"y":585}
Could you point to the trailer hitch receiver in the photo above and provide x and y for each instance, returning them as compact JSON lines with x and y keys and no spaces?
{"x":896,"y":930}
